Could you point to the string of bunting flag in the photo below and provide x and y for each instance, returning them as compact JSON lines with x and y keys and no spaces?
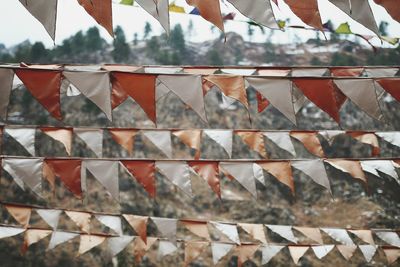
{"x":243,"y":239}
{"x":109,"y":89}
{"x":195,"y":139}
{"x":28,"y":172}
{"x":260,"y":12}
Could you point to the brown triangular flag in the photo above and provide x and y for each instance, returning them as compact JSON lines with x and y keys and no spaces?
{"x":140,"y":248}
{"x":20,"y":214}
{"x":255,"y":140}
{"x":245,"y":252}
{"x":310,"y":141}
{"x":307,"y":11}
{"x":191,"y":138}
{"x":139,"y":224}
{"x":124,"y":137}
{"x":392,"y":254}
{"x":282,"y":171}
{"x":101,"y":11}
{"x":198,"y":228}
{"x":193,"y":250}
{"x":209,"y":171}
{"x":210,"y":10}
{"x":144,"y":172}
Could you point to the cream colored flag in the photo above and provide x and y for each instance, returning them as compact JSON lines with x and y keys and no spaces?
{"x":33,"y":236}
{"x":117,"y":244}
{"x":64,"y":136}
{"x":82,"y":219}
{"x":161,"y":139}
{"x":10,"y":231}
{"x":340,"y":235}
{"x":220,"y":250}
{"x":391,"y":238}
{"x":112,"y":222}
{"x":45,"y":11}
{"x":368,"y":251}
{"x":21,"y":214}
{"x":51,"y":217}
{"x":347,"y":251}
{"x":384,"y":166}
{"x":93,"y":138}
{"x":25,"y":172}
{"x":258,"y":10}
{"x":158,"y":9}
{"x":24,"y":136}
{"x":284,"y":231}
{"x":278,"y":92}
{"x":268,"y":252}
{"x":282,"y":140}
{"x":364,"y":235}
{"x":167,"y":227}
{"x":106,"y":172}
{"x":362,"y":93}
{"x":6,"y":84}
{"x":381,"y":72}
{"x":309,"y":72}
{"x":297,"y":252}
{"x":322,"y":251}
{"x":189,"y":89}
{"x":243,"y":172}
{"x":256,"y":231}
{"x":351,"y":167}
{"x":390,"y":137}
{"x":165,"y":248}
{"x":60,"y":237}
{"x":178,"y":173}
{"x":88,"y":242}
{"x":95,"y":86}
{"x":311,"y":233}
{"x":315,"y":169}
{"x":229,"y":230}
{"x":223,"y":138}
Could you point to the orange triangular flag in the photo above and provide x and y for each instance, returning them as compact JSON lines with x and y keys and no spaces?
{"x":209,"y":171}
{"x":140,"y":248}
{"x":198,"y":228}
{"x":20,"y":214}
{"x":139,"y":224}
{"x":191,"y":138}
{"x":307,"y":11}
{"x":255,"y":140}
{"x":144,"y":173}
{"x":124,"y":137}
{"x":101,"y":11}
{"x":391,"y":85}
{"x":324,"y":94}
{"x":62,"y":135}
{"x":33,"y":236}
{"x":367,"y":138}
{"x":69,"y":172}
{"x":310,"y":141}
{"x":141,"y":87}
{"x":49,"y":175}
{"x":44,"y":85}
{"x":193,"y":250}
{"x":210,"y":10}
{"x":392,"y":7}
{"x":282,"y":171}
{"x":245,"y":252}
{"x":352,"y":167}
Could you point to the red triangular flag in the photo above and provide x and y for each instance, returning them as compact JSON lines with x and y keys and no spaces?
{"x":262,"y":102}
{"x":44,"y":85}
{"x":69,"y":172}
{"x":101,"y":11}
{"x":391,"y":86}
{"x":144,"y":172}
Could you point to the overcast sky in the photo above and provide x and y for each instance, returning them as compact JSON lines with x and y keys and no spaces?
{"x":18,"y":25}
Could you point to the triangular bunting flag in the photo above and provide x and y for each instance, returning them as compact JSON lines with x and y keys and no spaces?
{"x":368,"y":251}
{"x":44,"y":85}
{"x":282,"y":140}
{"x":158,"y":9}
{"x":21,"y":214}
{"x":311,"y":233}
{"x":284,"y":231}
{"x":310,"y":141}
{"x":69,"y":172}
{"x":364,"y":235}
{"x":384,"y":166}
{"x":45,"y":12}
{"x":51,"y":217}
{"x":165,"y":248}
{"x":10,"y":231}
{"x":117,"y":244}
{"x":193,"y":250}
{"x":308,"y":72}
{"x":178,"y":173}
{"x":260,"y":11}
{"x":209,"y":171}
{"x":307,"y":11}
{"x":322,"y":251}
{"x":281,"y":171}
{"x":61,"y":135}
{"x":220,"y":250}
{"x":138,"y":86}
{"x":25,"y":172}
{"x":351,"y":167}
{"x":390,"y":137}
{"x":315,"y":169}
{"x":6,"y":83}
{"x":223,"y":138}
{"x":256,"y":231}
{"x":391,"y":238}
{"x":88,"y":242}
{"x":347,"y":251}
{"x":229,"y":230}
{"x":367,"y":138}
{"x":198,"y":228}
{"x":33,"y":236}
{"x":144,"y":173}
{"x":112,"y":222}
{"x":255,"y":140}
{"x":191,"y":138}
{"x":139,"y":224}
{"x":94,"y":85}
{"x":161,"y":139}
{"x":243,"y":172}
{"x":297,"y":252}
{"x":93,"y":138}
{"x":392,"y":254}
{"x":330,"y":135}
{"x":59,"y":237}
{"x":391,"y":86}
{"x":245,"y":252}
{"x":101,"y":11}
{"x":268,"y":252}
{"x":340,"y":235}
{"x":81,"y":219}
{"x":381,"y":72}
{"x":24,"y":136}
{"x":346,"y":72}
{"x":167,"y":227}
{"x":124,"y":138}
{"x":210,"y":10}
{"x":391,"y":7}
{"x":188,"y":89}
{"x":140,"y":248}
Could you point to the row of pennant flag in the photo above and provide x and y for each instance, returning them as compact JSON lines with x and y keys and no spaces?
{"x":260,"y":12}
{"x":224,"y":237}
{"x":109,"y":89}
{"x":194,"y":139}
{"x":30,"y":173}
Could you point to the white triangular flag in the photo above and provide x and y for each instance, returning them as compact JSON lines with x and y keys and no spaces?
{"x":389,"y":237}
{"x":278,"y":92}
{"x":315,"y":169}
{"x":158,"y":9}
{"x":112,"y":222}
{"x":384,"y":166}
{"x":220,"y":250}
{"x":165,"y":248}
{"x":6,"y":84}
{"x":106,"y":172}
{"x":322,"y":251}
{"x":223,"y":138}
{"x":309,"y":72}
{"x":268,"y":252}
{"x":390,"y":137}
{"x":95,"y":86}
{"x":330,"y":135}
{"x":59,"y":237}
{"x":10,"y":231}
{"x":51,"y":217}
{"x":362,"y":93}
{"x":189,"y":89}
{"x":161,"y":139}
{"x":88,"y":242}
{"x":178,"y":172}
{"x":284,"y":231}
{"x":117,"y":244}
{"x":381,"y":72}
{"x":368,"y":251}
{"x":167,"y":227}
{"x":229,"y":230}
{"x":243,"y":172}
{"x":259,"y":173}
{"x":45,"y":11}
{"x":260,"y":11}
{"x":93,"y":139}
{"x":340,"y":235}
{"x":25,"y":171}
{"x":282,"y":140}
{"x":24,"y":136}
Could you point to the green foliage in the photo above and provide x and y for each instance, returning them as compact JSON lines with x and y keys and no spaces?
{"x":121,"y":50}
{"x":93,"y":40}
{"x":340,"y":59}
{"x":147,"y":30}
{"x":214,"y":58}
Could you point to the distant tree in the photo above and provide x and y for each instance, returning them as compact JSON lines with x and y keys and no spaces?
{"x":250,"y":32}
{"x":190,"y":29}
{"x":23,"y":52}
{"x":147,"y":30}
{"x":214,"y":58}
{"x":78,"y":43}
{"x":383,"y":28}
{"x":121,"y":50}
{"x":177,"y":39}
{"x":93,"y":40}
{"x":135,"y":39}
{"x":269,"y":52}
{"x":39,"y":53}
{"x":152,"y":46}
{"x":315,"y":62}
{"x":341,"y":59}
